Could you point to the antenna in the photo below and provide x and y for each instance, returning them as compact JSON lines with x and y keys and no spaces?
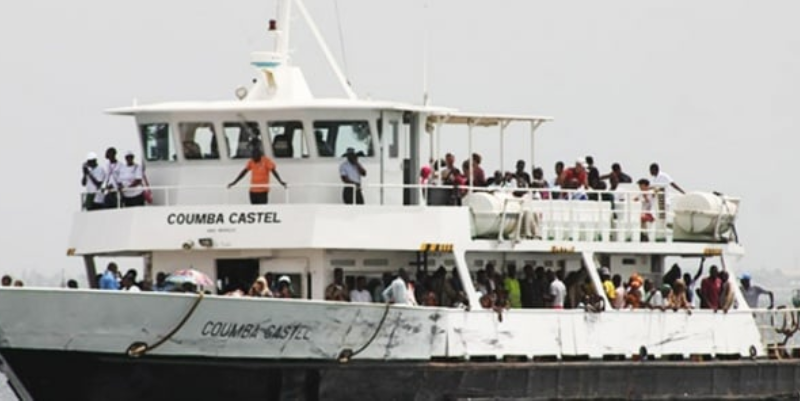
{"x":341,"y":42}
{"x":321,"y":41}
{"x":425,"y":95}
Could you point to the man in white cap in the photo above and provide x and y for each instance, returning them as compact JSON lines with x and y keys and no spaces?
{"x":111,"y":186}
{"x":93,"y":178}
{"x":284,"y":287}
{"x":752,"y":292}
{"x":352,"y":172}
{"x":130,"y":182}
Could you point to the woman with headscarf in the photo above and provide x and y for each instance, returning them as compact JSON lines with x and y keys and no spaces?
{"x":259,"y":289}
{"x":633,"y":297}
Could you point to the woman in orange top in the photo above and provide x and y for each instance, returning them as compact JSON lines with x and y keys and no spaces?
{"x":260,"y":166}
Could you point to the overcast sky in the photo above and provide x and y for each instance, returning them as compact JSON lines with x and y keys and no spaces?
{"x":709,"y":89}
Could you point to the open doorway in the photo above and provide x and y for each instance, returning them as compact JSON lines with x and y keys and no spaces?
{"x":233,"y":274}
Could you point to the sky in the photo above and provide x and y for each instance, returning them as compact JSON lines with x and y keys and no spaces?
{"x":708,"y":89}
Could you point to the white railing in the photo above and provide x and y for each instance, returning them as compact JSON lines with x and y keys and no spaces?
{"x":779,"y":328}
{"x":599,"y":216}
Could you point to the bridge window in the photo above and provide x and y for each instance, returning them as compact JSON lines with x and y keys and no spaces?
{"x":157,"y":142}
{"x":199,"y":141}
{"x":287,"y":139}
{"x":335,"y":137}
{"x":241,"y":137}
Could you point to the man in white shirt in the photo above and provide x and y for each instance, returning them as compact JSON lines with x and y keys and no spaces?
{"x":752,"y":292}
{"x":93,"y":178}
{"x":111,"y":187}
{"x":130,"y":179}
{"x":557,"y":289}
{"x":360,"y":293}
{"x":129,"y":284}
{"x":398,"y":292}
{"x":351,"y":172}
{"x":663,"y":181}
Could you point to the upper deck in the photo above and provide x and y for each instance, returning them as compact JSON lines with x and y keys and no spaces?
{"x":193,"y":150}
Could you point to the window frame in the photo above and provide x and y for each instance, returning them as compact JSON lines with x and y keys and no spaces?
{"x":210,"y":124}
{"x":171,"y":147}
{"x":326,"y":124}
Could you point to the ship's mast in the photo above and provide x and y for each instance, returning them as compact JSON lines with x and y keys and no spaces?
{"x":282,"y":29}
{"x":279,"y":78}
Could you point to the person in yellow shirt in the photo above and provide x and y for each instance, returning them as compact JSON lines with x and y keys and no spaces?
{"x":512,"y":287}
{"x":608,"y":286}
{"x":260,"y":166}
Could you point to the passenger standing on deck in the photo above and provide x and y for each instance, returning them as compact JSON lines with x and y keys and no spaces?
{"x":558,"y":291}
{"x":752,"y":292}
{"x":284,"y":287}
{"x":617,"y":176}
{"x":710,"y":289}
{"x":351,"y":172}
{"x":528,"y":287}
{"x":512,"y":287}
{"x":129,"y":284}
{"x":478,"y":175}
{"x":677,"y":298}
{"x":93,"y":178}
{"x":260,"y":168}
{"x":726,"y":296}
{"x":108,"y":281}
{"x":337,"y":290}
{"x":608,"y":285}
{"x":691,"y":283}
{"x":360,"y":293}
{"x":259,"y":289}
{"x":662,"y":181}
{"x":398,"y":292}
{"x":111,"y":187}
{"x":130,"y":182}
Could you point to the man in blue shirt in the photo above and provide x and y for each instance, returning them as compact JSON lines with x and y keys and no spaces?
{"x":109,"y":279}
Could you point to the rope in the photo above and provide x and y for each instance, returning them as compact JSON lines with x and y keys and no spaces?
{"x":139,"y":349}
{"x":347,"y":354}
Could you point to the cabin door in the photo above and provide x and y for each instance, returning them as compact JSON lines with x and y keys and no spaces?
{"x":236,"y":274}
{"x":393,"y":136}
{"x":297,"y":269}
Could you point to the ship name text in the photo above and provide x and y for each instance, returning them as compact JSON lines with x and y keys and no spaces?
{"x":232,"y":330}
{"x":218,"y":218}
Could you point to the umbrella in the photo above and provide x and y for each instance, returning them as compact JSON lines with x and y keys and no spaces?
{"x":190,"y":276}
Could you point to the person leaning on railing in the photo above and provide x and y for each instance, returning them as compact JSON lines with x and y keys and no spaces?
{"x":752,"y":292}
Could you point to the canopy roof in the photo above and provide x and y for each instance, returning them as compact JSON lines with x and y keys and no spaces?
{"x":483,"y":120}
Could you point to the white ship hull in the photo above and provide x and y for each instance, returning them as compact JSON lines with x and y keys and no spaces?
{"x":271,"y":329}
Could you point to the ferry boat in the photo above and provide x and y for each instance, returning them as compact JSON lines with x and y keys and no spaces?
{"x":96,"y":344}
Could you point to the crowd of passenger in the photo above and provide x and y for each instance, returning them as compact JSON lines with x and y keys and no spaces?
{"x":114,"y":184}
{"x":582,"y":181}
{"x":540,"y":287}
{"x":536,"y":287}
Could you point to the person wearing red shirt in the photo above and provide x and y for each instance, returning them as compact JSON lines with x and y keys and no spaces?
{"x":575,"y":177}
{"x":710,"y":289}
